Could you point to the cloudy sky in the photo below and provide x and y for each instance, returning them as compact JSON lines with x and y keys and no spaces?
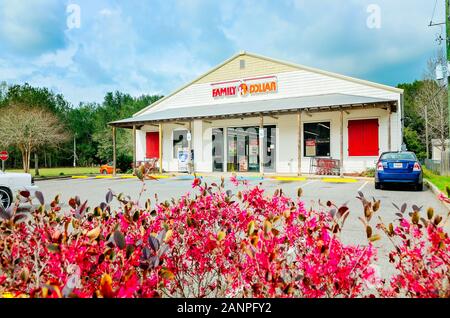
{"x":153,"y":47}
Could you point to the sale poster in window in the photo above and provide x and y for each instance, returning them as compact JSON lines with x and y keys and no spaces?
{"x":253,"y":151}
{"x":311,"y":147}
{"x":243,"y":165}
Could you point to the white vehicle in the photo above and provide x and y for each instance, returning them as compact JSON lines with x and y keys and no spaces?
{"x":13,"y":183}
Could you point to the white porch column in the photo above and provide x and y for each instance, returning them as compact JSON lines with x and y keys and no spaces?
{"x":134,"y":146}
{"x":114,"y":150}
{"x":389,"y":128}
{"x":197,"y":145}
{"x":341,"y":161}
{"x":299,"y":143}
{"x":190,"y":161}
{"x":160,"y":148}
{"x":261,"y":145}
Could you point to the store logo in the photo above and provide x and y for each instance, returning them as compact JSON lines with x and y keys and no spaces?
{"x":243,"y":88}
{"x":246,"y":87}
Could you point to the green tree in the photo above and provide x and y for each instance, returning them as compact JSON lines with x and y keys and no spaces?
{"x":414,"y":142}
{"x":114,"y":107}
{"x":87,"y":124}
{"x":81,"y":122}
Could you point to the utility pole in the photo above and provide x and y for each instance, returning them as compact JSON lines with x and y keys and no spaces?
{"x":74,"y":151}
{"x":426,"y":131}
{"x":447,"y":45}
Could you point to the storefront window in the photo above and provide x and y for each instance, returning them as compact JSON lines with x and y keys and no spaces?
{"x":316,"y":139}
{"x":180,"y":142}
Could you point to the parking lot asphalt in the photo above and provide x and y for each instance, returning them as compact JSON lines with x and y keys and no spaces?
{"x":94,"y":190}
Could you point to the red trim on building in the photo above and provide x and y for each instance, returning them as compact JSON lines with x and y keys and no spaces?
{"x":227,"y":82}
{"x":259,"y":78}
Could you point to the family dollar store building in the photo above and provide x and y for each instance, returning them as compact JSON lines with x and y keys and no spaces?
{"x":256,"y":114}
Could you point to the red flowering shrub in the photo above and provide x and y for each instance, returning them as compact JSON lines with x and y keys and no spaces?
{"x":210,"y":244}
{"x":421,"y":254}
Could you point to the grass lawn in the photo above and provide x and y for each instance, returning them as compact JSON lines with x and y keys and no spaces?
{"x":439,"y":181}
{"x":62,"y":171}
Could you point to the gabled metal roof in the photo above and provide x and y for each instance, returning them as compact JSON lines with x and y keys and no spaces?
{"x":298,"y":66}
{"x":245,"y":108}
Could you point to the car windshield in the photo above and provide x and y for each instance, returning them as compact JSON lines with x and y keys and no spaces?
{"x":398,"y":156}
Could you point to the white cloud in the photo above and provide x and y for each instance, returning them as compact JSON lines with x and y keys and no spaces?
{"x":32,"y":27}
{"x":106,"y":12}
{"x":61,"y":58}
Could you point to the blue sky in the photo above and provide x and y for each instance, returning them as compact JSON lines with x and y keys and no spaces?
{"x":153,"y":47}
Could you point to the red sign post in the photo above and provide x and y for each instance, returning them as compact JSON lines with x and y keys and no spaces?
{"x":3,"y":157}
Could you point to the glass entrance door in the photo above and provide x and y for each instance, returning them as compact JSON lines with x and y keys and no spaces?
{"x":269,"y":148}
{"x":243,"y":149}
{"x":217,"y":149}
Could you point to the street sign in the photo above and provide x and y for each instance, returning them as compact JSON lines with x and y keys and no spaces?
{"x":4,"y":155}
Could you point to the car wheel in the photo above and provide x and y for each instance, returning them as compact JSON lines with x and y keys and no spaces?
{"x":5,"y":197}
{"x":419,"y":187}
{"x":377,"y":185}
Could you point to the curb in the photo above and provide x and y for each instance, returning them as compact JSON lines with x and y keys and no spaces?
{"x":330,"y":179}
{"x":437,"y":192}
{"x":51,"y":178}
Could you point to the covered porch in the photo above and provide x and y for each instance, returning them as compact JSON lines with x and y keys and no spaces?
{"x":266,"y":136}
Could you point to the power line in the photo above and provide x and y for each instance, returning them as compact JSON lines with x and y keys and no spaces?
{"x":434,"y":96}
{"x":432,"y":16}
{"x":434,"y":11}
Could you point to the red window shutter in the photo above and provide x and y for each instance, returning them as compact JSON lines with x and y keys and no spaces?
{"x":152,"y":145}
{"x":363,"y":137}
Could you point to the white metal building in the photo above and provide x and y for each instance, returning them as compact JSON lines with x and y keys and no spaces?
{"x":256,"y":114}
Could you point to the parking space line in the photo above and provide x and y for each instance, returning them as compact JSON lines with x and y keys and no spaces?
{"x":362,"y":187}
{"x":308,"y":183}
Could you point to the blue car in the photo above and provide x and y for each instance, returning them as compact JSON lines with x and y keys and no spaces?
{"x":399,"y":167}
